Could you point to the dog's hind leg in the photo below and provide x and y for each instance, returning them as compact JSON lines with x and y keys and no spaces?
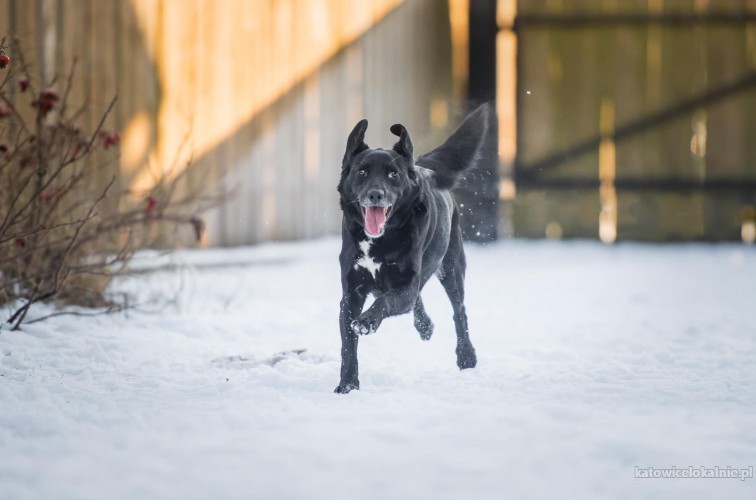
{"x":423,"y":323}
{"x":453,"y":280}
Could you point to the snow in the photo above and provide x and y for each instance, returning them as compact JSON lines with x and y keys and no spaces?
{"x":592,"y":360}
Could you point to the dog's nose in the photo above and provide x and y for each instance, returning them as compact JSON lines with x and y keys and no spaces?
{"x":375,"y":196}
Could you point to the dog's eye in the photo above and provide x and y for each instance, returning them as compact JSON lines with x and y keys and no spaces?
{"x":361,"y":172}
{"x":393,"y":174}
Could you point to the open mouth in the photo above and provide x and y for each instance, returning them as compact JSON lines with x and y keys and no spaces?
{"x":375,"y":219}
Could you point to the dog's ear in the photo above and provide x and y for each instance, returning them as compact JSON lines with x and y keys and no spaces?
{"x":356,"y":141}
{"x":404,"y":145}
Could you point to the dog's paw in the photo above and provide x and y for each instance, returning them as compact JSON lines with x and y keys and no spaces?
{"x":466,"y":357}
{"x":424,"y":327}
{"x":344,"y":388}
{"x":365,"y":325}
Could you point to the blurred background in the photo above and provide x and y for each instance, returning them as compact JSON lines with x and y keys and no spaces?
{"x":618,"y":119}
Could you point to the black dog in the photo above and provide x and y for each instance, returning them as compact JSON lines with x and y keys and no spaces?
{"x":400,"y":226}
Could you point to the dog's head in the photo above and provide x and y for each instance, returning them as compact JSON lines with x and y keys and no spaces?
{"x":375,"y":183}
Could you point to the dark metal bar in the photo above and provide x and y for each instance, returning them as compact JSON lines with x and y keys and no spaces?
{"x":580,"y":21}
{"x":647,"y":184}
{"x":482,"y":52}
{"x":536,"y":168}
{"x":478,"y":193}
{"x":519,"y":102}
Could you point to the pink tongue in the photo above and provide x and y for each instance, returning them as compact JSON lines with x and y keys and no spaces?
{"x":375,"y":218}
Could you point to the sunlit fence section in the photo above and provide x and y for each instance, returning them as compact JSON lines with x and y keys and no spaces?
{"x":261,"y":91}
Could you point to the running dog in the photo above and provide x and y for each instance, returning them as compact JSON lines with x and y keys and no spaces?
{"x":400,"y":226}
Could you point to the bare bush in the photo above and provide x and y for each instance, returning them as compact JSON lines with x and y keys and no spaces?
{"x":66,"y":228}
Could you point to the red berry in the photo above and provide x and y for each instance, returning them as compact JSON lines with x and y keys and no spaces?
{"x":50,"y":94}
{"x":23,"y":83}
{"x":45,"y":107}
{"x":46,"y":101}
{"x":4,"y":111}
{"x":4,"y":60}
{"x":151,"y":204}
{"x":111,"y":140}
{"x":20,"y":242}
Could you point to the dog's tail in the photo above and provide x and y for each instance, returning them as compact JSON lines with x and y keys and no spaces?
{"x":475,"y":140}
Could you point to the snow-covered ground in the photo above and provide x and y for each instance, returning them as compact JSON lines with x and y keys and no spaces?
{"x":592,"y":360}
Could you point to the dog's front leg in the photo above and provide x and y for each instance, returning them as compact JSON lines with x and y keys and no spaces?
{"x":392,"y":303}
{"x":351,"y":306}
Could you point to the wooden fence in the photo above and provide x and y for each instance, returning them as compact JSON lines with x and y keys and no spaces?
{"x":589,"y":67}
{"x":264,"y":90}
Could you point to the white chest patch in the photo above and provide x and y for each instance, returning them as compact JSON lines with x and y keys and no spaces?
{"x":366,"y":261}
